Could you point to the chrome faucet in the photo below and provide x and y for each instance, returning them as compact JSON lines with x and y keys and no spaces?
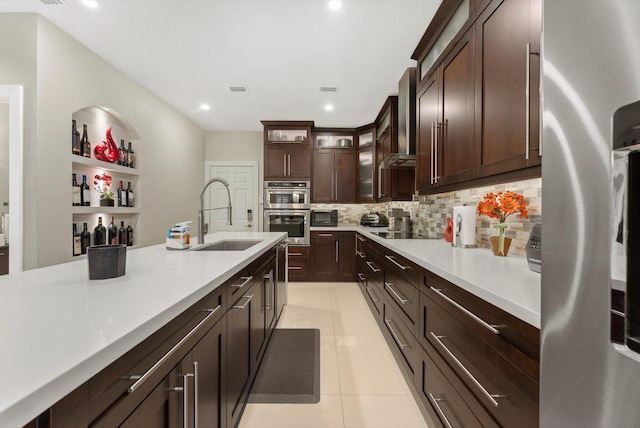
{"x":201,"y":225}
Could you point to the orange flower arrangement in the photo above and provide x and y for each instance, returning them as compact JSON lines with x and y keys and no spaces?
{"x":502,"y":204}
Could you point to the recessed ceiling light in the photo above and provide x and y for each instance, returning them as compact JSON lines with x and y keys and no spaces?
{"x":90,"y":3}
{"x":238,"y":88}
{"x":335,"y":5}
{"x":205,"y":106}
{"x":328,"y":89}
{"x":328,"y":107}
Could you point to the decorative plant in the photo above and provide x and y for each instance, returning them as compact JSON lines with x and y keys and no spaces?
{"x":102,"y":183}
{"x":500,"y":206}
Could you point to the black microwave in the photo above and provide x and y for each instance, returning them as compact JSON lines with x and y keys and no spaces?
{"x":324,"y":217}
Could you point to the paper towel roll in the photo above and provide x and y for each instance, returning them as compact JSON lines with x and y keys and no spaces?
{"x":466,"y":215}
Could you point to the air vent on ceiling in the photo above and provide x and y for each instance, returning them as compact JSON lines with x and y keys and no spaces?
{"x":54,"y":3}
{"x":328,"y":89}
{"x":238,"y":88}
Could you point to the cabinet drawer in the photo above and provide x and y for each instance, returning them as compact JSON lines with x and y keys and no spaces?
{"x":402,"y":267}
{"x":361,"y":272}
{"x":452,"y":403}
{"x":299,"y":262}
{"x":241,"y":281}
{"x":498,"y":328}
{"x":507,"y":393}
{"x":404,"y":295}
{"x":402,"y":336}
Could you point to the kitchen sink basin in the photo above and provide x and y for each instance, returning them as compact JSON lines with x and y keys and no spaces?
{"x":228,"y":245}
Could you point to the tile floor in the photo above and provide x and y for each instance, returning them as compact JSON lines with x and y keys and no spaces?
{"x":360,"y":382}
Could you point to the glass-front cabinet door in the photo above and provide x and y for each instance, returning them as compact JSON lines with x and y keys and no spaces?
{"x":365,"y":145}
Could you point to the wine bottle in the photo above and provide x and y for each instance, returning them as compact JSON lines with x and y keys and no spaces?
{"x":122,"y":155}
{"x":75,"y":138}
{"x":122,"y":196}
{"x":112,"y":235}
{"x":130,"y":199}
{"x":85,"y":239}
{"x":85,"y":195}
{"x":99,"y":233}
{"x":129,"y":236}
{"x":75,"y":191}
{"x":131,"y":159}
{"x":85,"y":145}
{"x":77,"y":246}
{"x":122,"y":234}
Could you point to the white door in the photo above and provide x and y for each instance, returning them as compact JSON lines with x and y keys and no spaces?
{"x":243,"y":187}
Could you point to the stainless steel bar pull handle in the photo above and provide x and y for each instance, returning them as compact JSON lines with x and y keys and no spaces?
{"x":289,"y":161}
{"x":396,"y":263}
{"x":284,"y":165}
{"x":245,"y":303}
{"x":361,"y":276}
{"x":247,"y":279}
{"x":492,"y":328}
{"x":372,"y":267}
{"x":372,"y":295}
{"x":173,"y":350}
{"x":325,"y":235}
{"x":403,"y":301}
{"x":337,"y":251}
{"x":388,"y":322}
{"x":490,"y":397}
{"x":435,"y":402}
{"x":195,"y":395}
{"x":431,"y":152}
{"x":527,"y":112}
{"x":360,"y":254}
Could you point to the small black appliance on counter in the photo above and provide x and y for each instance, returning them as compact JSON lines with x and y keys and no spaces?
{"x":374,"y":219}
{"x":533,"y":249}
{"x":324,"y":217}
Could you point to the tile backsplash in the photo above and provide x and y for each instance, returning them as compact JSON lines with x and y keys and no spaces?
{"x":430,"y":213}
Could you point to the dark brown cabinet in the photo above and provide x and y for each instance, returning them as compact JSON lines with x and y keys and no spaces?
{"x":495,"y":356}
{"x":4,"y":260}
{"x":299,"y":263}
{"x":507,"y":82}
{"x":478,"y":104}
{"x":446,"y":120}
{"x":333,"y":256}
{"x":365,"y":148}
{"x":396,"y":184}
{"x":287,"y":150}
{"x":334,"y":176}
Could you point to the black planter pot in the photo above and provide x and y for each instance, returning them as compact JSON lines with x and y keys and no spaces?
{"x":106,"y":202}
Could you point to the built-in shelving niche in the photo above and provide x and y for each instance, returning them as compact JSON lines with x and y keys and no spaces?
{"x":98,"y":119}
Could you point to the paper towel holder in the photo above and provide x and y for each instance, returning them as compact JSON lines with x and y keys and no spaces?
{"x":457,"y":229}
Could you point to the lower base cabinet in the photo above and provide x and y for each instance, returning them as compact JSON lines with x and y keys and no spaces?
{"x":196,"y":371}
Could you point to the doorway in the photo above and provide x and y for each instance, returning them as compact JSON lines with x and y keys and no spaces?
{"x":243,"y":179}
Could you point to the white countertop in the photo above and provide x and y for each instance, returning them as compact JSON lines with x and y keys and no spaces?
{"x":58,"y":328}
{"x":505,"y":282}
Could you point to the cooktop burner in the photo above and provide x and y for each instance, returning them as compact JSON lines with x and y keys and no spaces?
{"x":398,"y":235}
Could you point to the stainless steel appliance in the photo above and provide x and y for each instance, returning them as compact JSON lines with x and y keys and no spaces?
{"x":405,"y":156}
{"x":590,"y":82}
{"x":533,"y":248}
{"x":287,"y":209}
{"x":374,"y":219}
{"x":324,"y":218}
{"x":289,"y":195}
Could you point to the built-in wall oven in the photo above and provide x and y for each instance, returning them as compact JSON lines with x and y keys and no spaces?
{"x":287,"y":209}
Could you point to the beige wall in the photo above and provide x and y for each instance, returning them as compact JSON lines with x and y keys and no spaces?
{"x":69,"y":77}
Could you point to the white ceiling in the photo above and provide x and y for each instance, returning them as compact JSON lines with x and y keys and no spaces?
{"x":189,"y":52}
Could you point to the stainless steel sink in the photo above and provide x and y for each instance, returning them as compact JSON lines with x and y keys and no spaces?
{"x":228,"y":245}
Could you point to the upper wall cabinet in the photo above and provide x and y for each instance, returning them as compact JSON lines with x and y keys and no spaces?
{"x":365,"y":137}
{"x":287,"y":150}
{"x":507,"y":82}
{"x":445,"y":120}
{"x":395,"y":184}
{"x":334,"y":172}
{"x":478,"y":101}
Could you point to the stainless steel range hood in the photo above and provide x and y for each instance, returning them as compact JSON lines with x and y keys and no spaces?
{"x":406,"y":153}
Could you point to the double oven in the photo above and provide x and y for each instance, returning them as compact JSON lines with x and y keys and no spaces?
{"x":287,"y":207}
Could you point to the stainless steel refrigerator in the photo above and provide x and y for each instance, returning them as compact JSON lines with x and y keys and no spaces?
{"x":590,"y":327}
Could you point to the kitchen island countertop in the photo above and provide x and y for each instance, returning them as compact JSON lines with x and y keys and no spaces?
{"x":58,"y":328}
{"x":505,"y":282}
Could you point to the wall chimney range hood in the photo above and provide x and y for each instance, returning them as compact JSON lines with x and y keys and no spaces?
{"x":405,"y":156}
